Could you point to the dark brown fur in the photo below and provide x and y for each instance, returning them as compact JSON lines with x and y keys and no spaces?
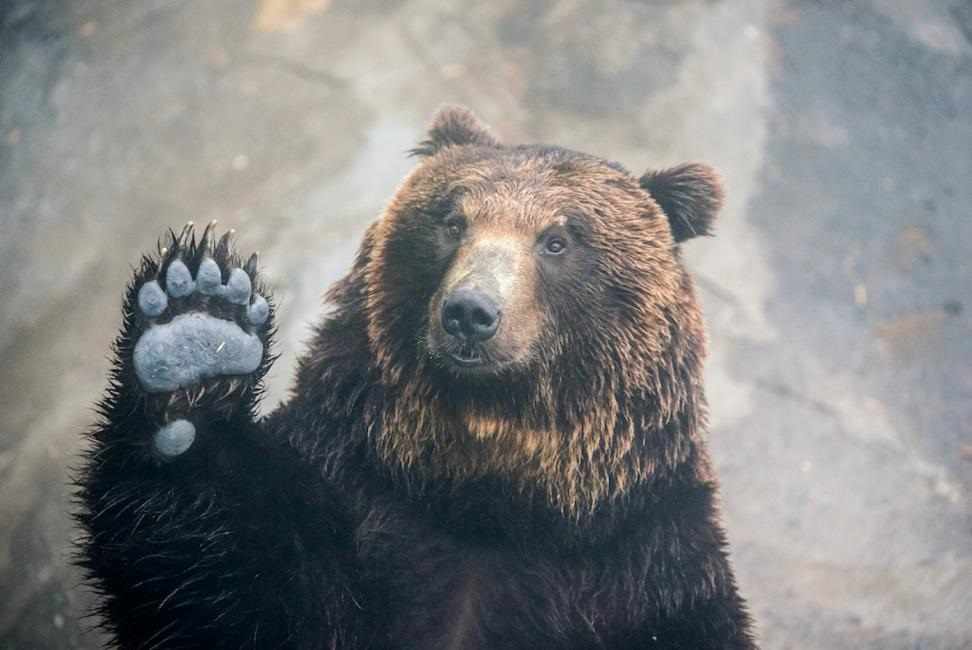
{"x":559,"y":496}
{"x":626,"y":335}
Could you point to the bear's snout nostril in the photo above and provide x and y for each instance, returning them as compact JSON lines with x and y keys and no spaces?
{"x":470,"y":315}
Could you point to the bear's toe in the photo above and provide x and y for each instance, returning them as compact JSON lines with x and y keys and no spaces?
{"x":178,"y":280}
{"x":152,"y":299}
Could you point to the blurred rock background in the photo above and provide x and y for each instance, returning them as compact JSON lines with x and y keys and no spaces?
{"x":838,"y":290}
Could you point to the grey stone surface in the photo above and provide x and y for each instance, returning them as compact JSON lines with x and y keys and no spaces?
{"x":837,"y":289}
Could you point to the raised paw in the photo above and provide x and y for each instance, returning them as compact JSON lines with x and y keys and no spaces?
{"x":203,"y":319}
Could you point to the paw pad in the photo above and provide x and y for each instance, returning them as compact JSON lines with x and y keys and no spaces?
{"x":152,"y":300}
{"x":195,"y":345}
{"x":178,"y":280}
{"x":209,"y":279}
{"x":258,"y":311}
{"x":237,"y":289}
{"x":174,"y":438}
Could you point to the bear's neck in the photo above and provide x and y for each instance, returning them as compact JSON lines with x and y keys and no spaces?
{"x":574,"y":452}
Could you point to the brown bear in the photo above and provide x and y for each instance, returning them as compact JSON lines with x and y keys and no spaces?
{"x":496,"y":438}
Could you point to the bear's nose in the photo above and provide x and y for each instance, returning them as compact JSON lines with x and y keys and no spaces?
{"x":470,"y":315}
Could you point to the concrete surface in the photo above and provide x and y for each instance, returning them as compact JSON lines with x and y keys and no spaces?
{"x":838,"y":289}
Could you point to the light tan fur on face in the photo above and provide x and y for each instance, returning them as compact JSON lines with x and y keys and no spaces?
{"x":502,"y":267}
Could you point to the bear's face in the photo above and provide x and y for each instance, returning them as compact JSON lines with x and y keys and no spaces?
{"x":497,"y":261}
{"x":532,"y":294}
{"x":535,"y":253}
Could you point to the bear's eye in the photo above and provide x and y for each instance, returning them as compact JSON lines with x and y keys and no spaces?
{"x":554,"y":244}
{"x":455,"y":226}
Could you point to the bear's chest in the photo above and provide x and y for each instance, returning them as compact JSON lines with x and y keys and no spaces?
{"x":432,"y":591}
{"x":465,"y":600}
{"x":449,"y":610}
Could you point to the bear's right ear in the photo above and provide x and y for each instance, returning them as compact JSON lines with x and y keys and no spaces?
{"x":691,"y":195}
{"x":454,"y":125}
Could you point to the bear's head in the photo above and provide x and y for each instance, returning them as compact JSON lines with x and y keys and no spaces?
{"x":529,"y":317}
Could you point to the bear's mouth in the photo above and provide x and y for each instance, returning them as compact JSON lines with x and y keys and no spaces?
{"x":467,"y":356}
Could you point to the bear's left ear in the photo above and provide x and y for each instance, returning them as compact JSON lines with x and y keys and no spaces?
{"x":691,"y":196}
{"x":454,"y":125}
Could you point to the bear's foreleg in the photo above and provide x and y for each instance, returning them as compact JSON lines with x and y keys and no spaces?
{"x":202,"y":531}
